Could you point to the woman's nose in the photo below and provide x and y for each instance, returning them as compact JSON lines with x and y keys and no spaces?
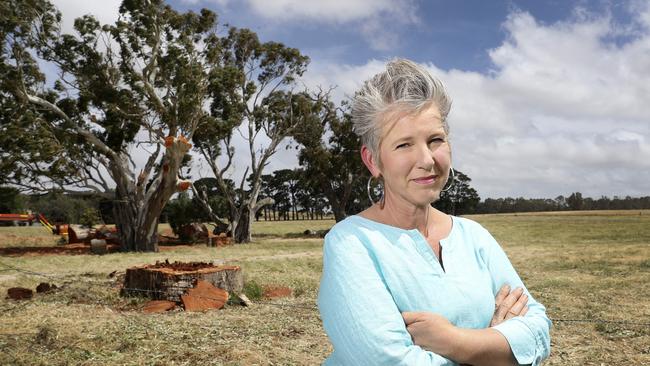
{"x":425,"y":158}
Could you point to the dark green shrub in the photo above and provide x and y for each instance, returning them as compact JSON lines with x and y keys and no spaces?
{"x":58,"y":207}
{"x":90,"y":217}
{"x":180,"y":212}
{"x":10,"y":200}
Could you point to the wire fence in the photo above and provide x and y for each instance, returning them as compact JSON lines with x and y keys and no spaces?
{"x":83,"y":290}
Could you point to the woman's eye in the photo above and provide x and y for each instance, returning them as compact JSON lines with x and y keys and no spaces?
{"x":436,"y":140}
{"x":406,"y":144}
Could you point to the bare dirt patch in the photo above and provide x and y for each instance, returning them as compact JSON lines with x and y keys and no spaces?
{"x":67,"y":249}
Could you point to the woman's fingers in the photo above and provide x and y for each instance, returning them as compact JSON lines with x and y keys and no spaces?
{"x":508,"y":303}
{"x":501,"y":295}
{"x":518,"y":307}
{"x":512,"y":305}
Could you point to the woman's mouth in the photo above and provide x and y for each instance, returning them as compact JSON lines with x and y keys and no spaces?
{"x":425,"y":180}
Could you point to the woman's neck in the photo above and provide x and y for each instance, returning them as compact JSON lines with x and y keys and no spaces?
{"x":405,"y":215}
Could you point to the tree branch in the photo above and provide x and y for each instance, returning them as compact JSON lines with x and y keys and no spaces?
{"x":87,"y":135}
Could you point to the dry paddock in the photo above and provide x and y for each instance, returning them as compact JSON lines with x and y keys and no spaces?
{"x":591,"y":270}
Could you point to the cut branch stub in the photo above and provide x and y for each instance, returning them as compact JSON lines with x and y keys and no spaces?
{"x":168,"y":281}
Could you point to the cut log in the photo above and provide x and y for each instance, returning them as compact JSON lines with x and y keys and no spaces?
{"x":20,"y":293}
{"x":98,"y":246}
{"x":204,"y":297}
{"x":78,"y":234}
{"x":168,"y":281}
{"x":158,"y":306}
{"x":45,"y":287}
{"x":218,"y":241}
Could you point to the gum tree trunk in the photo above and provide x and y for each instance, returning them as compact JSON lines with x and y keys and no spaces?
{"x":135,"y":235}
{"x":139,"y":203}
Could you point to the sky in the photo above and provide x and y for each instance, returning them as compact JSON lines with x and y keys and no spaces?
{"x":549,"y":96}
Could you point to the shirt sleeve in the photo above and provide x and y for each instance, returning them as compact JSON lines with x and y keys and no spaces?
{"x":528,"y":335}
{"x":358,"y":312}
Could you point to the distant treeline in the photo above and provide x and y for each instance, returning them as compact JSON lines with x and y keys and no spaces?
{"x":573,"y":202}
{"x":290,"y":205}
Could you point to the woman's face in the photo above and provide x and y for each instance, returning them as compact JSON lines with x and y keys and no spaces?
{"x":415,"y":157}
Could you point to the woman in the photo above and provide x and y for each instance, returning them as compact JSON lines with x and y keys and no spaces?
{"x":403,"y":283}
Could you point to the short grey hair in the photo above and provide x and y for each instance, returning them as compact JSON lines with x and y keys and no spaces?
{"x":405,"y":86}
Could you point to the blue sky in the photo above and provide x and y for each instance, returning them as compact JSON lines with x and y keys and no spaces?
{"x":454,"y":34}
{"x":550,"y":97}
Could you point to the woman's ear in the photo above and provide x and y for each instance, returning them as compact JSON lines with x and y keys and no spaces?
{"x":370,"y":162}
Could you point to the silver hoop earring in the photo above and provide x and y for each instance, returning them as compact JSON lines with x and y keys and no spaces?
{"x":369,"y":190}
{"x":452,"y":177}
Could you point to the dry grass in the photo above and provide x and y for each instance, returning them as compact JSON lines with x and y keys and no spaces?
{"x":580,"y":266}
{"x":592,"y":267}
{"x":26,"y":236}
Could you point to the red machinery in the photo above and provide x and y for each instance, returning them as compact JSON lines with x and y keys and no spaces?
{"x":57,"y":229}
{"x":28,"y":218}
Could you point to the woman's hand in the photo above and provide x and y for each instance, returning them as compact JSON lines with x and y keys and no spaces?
{"x":509,"y":304}
{"x":431,"y":331}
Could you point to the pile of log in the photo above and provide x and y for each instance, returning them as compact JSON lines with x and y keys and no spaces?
{"x":21,"y":293}
{"x":82,"y":234}
{"x":196,"y":286}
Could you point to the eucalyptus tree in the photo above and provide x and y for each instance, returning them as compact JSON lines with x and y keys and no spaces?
{"x":267,"y":191}
{"x":289,"y":181}
{"x":139,"y":85}
{"x":254,"y":99}
{"x":460,"y":198}
{"x":329,"y":154}
{"x":209,"y":196}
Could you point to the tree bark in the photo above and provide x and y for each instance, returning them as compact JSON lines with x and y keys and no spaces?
{"x":135,"y":235}
{"x":242,"y":232}
{"x":139,"y":203}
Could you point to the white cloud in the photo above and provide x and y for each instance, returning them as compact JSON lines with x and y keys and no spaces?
{"x":218,"y":2}
{"x":332,"y":10}
{"x":345,"y":78}
{"x":378,"y":21}
{"x":642,"y":8}
{"x":563,"y":110}
{"x":105,"y":11}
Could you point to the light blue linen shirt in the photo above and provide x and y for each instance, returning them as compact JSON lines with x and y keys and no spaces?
{"x":372,"y":272}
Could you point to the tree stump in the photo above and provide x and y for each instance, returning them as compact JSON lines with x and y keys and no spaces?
{"x":168,"y":281}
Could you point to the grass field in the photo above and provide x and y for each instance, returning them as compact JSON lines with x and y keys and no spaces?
{"x":583,"y":266}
